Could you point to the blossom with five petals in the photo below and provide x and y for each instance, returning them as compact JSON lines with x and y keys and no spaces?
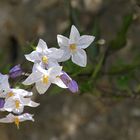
{"x":10,"y":118}
{"x":45,"y":56}
{"x":43,"y":78}
{"x":16,"y":104}
{"x":73,"y":47}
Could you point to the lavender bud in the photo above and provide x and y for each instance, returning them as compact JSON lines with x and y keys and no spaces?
{"x":65,"y":78}
{"x":71,"y":84}
{"x":2,"y":102}
{"x":16,"y":71}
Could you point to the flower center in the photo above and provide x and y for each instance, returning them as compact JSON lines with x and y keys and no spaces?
{"x":17,"y":104}
{"x":45,"y":59}
{"x":73,"y":47}
{"x":57,"y":76}
{"x":45,"y":79}
{"x":10,"y":94}
{"x":16,"y":121}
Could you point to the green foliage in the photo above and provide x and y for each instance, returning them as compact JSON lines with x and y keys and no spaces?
{"x":120,"y":39}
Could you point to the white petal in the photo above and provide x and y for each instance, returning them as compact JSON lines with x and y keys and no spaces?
{"x":33,"y":56}
{"x":33,"y":104}
{"x":7,"y":119}
{"x":80,"y":58}
{"x":18,"y":110}
{"x":55,"y":53}
{"x":74,"y":35}
{"x":59,"y":82}
{"x":21,"y":92}
{"x":9,"y":104}
{"x":85,"y":41}
{"x":33,"y":77}
{"x":26,"y":116}
{"x":54,"y":71}
{"x":66,"y":55}
{"x":38,"y":67}
{"x":42,"y":46}
{"x":52,"y":63}
{"x":62,"y":41}
{"x":28,"y":102}
{"x":41,"y":87}
{"x":4,"y":84}
{"x":24,"y":101}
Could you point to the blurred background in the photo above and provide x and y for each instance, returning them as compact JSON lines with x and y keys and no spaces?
{"x":107,"y":106}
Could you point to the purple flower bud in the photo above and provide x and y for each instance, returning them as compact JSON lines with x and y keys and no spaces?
{"x":71,"y":84}
{"x":16,"y":71}
{"x":65,"y":78}
{"x":2,"y":102}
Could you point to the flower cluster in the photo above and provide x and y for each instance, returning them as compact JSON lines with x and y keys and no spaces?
{"x":13,"y":101}
{"x":46,"y":71}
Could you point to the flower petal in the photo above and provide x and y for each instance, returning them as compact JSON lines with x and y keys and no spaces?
{"x":41,"y":87}
{"x":26,"y":116}
{"x":33,"y":77}
{"x":21,"y":92}
{"x":66,"y":55}
{"x":62,"y":41}
{"x":33,"y":104}
{"x":7,"y":119}
{"x":18,"y":110}
{"x":54,"y":71}
{"x":79,"y":58}
{"x":52,"y":63}
{"x":74,"y":35}
{"x":55,"y":53}
{"x":59,"y":83}
{"x":33,"y":56}
{"x":9,"y":105}
{"x":85,"y":41}
{"x":4,"y":84}
{"x":42,"y":46}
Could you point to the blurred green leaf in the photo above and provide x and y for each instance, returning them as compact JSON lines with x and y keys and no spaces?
{"x":123,"y":69}
{"x":123,"y":82}
{"x":120,"y":40}
{"x":93,"y":49}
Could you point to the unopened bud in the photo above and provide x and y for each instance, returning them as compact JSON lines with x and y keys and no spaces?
{"x":16,"y":71}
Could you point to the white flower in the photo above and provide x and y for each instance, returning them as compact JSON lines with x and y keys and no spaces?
{"x":10,"y":118}
{"x":73,"y":47}
{"x":43,"y":78}
{"x":16,"y":104}
{"x":46,"y":57}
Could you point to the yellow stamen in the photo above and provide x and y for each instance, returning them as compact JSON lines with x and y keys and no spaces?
{"x":45,"y":59}
{"x":17,"y":103}
{"x":45,"y":79}
{"x":16,"y":121}
{"x":73,"y":47}
{"x":57,"y":76}
{"x":10,"y":94}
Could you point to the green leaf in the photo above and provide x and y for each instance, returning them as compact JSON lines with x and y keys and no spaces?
{"x":120,"y":40}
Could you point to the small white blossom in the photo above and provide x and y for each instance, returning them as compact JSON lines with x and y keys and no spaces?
{"x":10,"y":118}
{"x":16,"y":104}
{"x":46,"y":57}
{"x":73,"y":47}
{"x":43,"y":78}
